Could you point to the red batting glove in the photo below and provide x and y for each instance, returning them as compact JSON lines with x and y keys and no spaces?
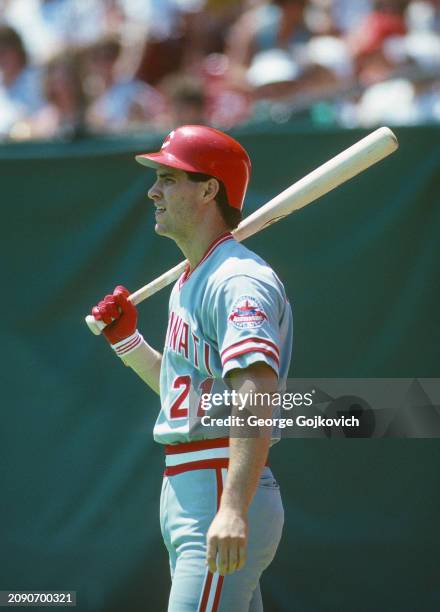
{"x":118,"y":313}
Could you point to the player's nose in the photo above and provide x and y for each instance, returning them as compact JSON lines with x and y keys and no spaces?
{"x":154,"y":192}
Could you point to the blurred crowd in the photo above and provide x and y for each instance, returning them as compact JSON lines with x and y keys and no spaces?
{"x":74,"y":67}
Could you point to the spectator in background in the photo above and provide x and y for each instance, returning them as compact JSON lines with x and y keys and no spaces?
{"x":277,"y":25}
{"x":228,"y":98}
{"x":366,"y":41}
{"x":410,"y":94}
{"x":20,"y":84}
{"x":184,"y":32}
{"x":64,"y":114}
{"x":324,"y":68}
{"x":347,"y":14}
{"x":195,"y":50}
{"x":49,"y":27}
{"x":186,"y":100}
{"x":320,"y":18}
{"x":120,"y":102}
{"x":295,"y":53}
{"x":217,"y":62}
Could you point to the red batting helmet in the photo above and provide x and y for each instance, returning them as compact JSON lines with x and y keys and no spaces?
{"x":197,"y":148}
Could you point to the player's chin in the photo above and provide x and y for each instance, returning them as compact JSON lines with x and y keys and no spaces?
{"x":160,"y":229}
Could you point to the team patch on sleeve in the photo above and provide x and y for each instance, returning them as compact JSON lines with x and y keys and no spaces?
{"x":247,"y":313}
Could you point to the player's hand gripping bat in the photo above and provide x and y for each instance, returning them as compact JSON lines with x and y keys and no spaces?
{"x":354,"y":160}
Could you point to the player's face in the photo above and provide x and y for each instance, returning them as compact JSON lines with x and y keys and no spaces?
{"x":177,"y":202}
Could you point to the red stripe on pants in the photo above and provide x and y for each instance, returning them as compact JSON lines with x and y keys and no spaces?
{"x":206,"y":592}
{"x":208,"y":583}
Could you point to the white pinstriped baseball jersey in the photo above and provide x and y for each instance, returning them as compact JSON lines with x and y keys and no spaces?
{"x":229,"y":312}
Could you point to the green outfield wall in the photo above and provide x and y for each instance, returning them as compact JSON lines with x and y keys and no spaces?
{"x":80,"y":473}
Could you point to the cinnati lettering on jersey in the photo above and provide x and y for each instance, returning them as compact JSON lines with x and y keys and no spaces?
{"x":183,"y":341}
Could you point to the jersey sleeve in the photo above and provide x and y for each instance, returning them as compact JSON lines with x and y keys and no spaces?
{"x":247,"y":315}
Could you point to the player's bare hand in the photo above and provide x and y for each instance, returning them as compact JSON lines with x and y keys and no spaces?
{"x":226,"y":542}
{"x":118,"y":313}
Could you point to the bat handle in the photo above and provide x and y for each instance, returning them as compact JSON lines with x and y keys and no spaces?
{"x":95,"y":326}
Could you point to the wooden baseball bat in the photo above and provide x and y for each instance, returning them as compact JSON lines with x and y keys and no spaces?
{"x":354,"y":160}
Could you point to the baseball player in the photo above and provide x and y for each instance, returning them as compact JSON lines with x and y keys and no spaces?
{"x":229,"y":329}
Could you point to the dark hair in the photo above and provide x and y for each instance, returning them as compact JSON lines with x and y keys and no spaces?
{"x":11,"y":38}
{"x":184,"y":90}
{"x":231,"y":216}
{"x":68,"y":61}
{"x":108,"y":47}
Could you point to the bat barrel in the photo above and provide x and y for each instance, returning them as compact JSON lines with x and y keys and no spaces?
{"x":351,"y":162}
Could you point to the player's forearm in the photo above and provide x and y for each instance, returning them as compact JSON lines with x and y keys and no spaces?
{"x":146,"y":362}
{"x":247,"y":457}
{"x":147,"y":370}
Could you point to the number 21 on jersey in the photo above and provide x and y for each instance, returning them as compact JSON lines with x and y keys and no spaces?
{"x":182,"y":384}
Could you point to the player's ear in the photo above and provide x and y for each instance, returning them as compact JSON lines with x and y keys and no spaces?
{"x":211,"y":188}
